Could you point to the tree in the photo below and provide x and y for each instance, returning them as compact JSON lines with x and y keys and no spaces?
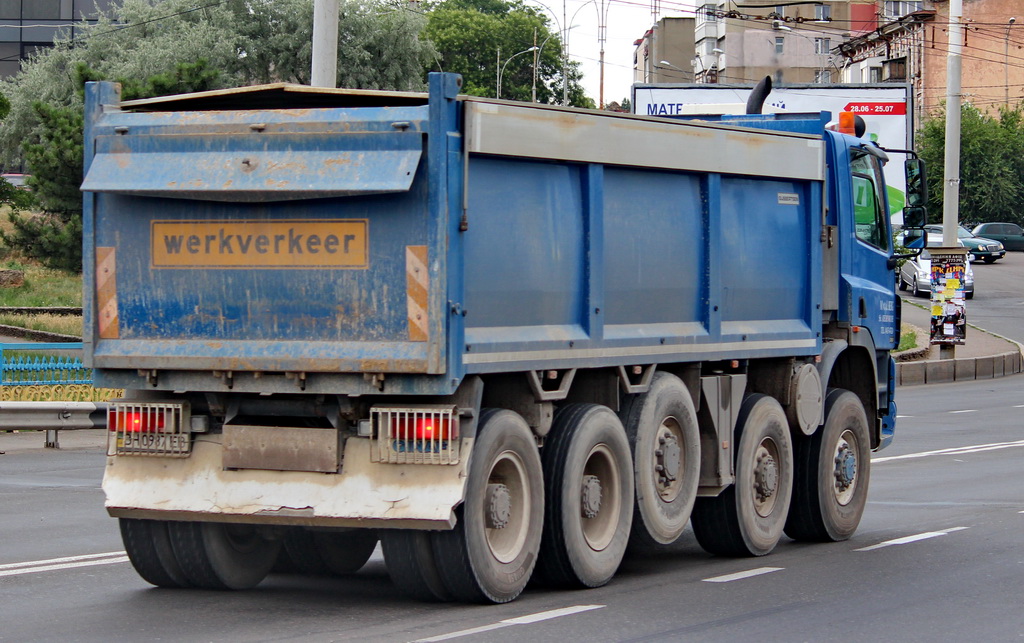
{"x":158,"y":47}
{"x":991,"y":164}
{"x":479,"y":38}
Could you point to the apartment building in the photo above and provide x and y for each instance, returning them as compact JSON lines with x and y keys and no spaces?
{"x":914,"y":48}
{"x":742,"y":41}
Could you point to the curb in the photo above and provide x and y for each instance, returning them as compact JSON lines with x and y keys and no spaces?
{"x":942,"y":371}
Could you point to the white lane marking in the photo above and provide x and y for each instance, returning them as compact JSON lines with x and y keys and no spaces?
{"x":66,"y":559}
{"x":1018,"y":406}
{"x":519,"y":620}
{"x":741,"y":575}
{"x":53,"y":568}
{"x":964,"y":411}
{"x":911,"y":539}
{"x":898,"y":417}
{"x":543,"y":616}
{"x":978,"y":448}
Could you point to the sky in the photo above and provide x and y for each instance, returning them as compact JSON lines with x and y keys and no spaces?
{"x":627,"y":21}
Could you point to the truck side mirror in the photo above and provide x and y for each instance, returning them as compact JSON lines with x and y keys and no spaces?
{"x":914,"y":216}
{"x":917,"y":184}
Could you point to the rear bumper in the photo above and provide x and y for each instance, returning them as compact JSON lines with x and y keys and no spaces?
{"x":364,"y":494}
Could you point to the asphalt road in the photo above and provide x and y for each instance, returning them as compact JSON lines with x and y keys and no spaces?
{"x":938,"y":557}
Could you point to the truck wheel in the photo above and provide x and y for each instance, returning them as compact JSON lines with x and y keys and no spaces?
{"x":661,"y":426}
{"x":335,"y":553}
{"x":490,"y":554}
{"x":222,"y":555}
{"x":833,"y":467}
{"x":589,"y":491}
{"x":747,"y":519}
{"x":149,"y":550}
{"x":411,"y":565}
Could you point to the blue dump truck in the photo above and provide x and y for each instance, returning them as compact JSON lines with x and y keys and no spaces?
{"x":505,"y":341}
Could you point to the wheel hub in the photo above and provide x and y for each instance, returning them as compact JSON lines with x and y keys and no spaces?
{"x":499,"y":506}
{"x":846,"y":467}
{"x":667,"y":460}
{"x":590,"y":496}
{"x":766,"y":476}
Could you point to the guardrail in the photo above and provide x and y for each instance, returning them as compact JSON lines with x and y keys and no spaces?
{"x":52,"y":417}
{"x":46,"y":370}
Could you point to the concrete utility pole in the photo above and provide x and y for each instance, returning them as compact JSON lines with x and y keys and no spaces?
{"x":951,"y":183}
{"x":325,"y":44}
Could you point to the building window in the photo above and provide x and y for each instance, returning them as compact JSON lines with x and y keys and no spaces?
{"x":707,"y":13}
{"x":41,"y":10}
{"x":899,"y":8}
{"x":780,"y":42}
{"x":823,"y":76}
{"x":894,"y":70}
{"x":822,"y":12}
{"x":822,"y":45}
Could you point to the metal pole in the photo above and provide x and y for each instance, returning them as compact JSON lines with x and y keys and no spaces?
{"x":325,"y":44}
{"x":533,"y":90}
{"x":951,"y":185}
{"x":1006,"y":59}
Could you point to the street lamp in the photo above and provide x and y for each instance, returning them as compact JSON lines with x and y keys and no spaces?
{"x":536,"y":60}
{"x":665,"y":63}
{"x":501,"y":70}
{"x":564,"y":30}
{"x":1006,"y":59}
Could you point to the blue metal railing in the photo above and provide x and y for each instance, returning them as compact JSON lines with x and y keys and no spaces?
{"x":25,"y":370}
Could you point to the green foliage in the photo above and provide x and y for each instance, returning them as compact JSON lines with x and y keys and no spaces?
{"x":185,"y":77}
{"x":991,"y":164}
{"x":479,"y":38}
{"x":160,"y":47}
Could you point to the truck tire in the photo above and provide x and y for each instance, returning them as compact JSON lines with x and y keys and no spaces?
{"x":661,"y":426}
{"x":409,"y":557}
{"x":490,"y":554}
{"x":222,"y":555}
{"x":588,"y":478}
{"x":323,"y":553}
{"x":149,"y":550}
{"x":833,"y":468}
{"x":747,"y":519}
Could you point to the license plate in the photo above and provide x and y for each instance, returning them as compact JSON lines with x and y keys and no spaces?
{"x":166,"y":444}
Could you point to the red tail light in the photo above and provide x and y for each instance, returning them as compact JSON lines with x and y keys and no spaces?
{"x":422,"y":428}
{"x":136,"y":421}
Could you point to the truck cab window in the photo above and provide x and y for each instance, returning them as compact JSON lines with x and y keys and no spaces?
{"x":868,"y":204}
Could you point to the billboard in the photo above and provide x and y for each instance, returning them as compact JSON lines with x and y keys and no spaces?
{"x":887,"y":111}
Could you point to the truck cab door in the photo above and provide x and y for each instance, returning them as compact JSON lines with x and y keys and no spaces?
{"x":872,"y":299}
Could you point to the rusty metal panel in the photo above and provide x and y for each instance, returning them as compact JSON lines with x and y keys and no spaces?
{"x":277,"y":448}
{"x":255,"y":167}
{"x":511,"y":130}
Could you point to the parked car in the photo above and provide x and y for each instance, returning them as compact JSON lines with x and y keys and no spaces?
{"x":1009,"y":234}
{"x":916,"y":274}
{"x":983,"y":248}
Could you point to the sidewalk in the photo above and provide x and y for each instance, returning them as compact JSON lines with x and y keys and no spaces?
{"x":984,"y":356}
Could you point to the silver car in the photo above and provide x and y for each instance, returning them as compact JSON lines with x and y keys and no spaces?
{"x":916,"y":274}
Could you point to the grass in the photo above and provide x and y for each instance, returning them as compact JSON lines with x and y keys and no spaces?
{"x":908,"y":338}
{"x":42,"y":287}
{"x":63,"y":324}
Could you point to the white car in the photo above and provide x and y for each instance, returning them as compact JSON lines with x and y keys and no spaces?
{"x":916,"y":274}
